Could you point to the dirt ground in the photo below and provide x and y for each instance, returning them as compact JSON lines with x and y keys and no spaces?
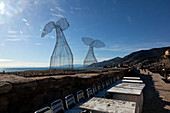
{"x":156,"y":93}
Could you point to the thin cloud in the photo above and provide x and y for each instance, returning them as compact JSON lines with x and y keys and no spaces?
{"x":124,"y":49}
{"x":142,"y":46}
{"x":142,"y":49}
{"x":12,"y":32}
{"x":78,"y":61}
{"x":59,"y":9}
{"x":17,"y":37}
{"x":13,"y":39}
{"x":24,"y":64}
{"x":163,"y":43}
{"x":103,"y":59}
{"x":37,"y":44}
{"x":12,"y":36}
{"x":58,"y":15}
{"x":111,"y":49}
{"x":5,"y":60}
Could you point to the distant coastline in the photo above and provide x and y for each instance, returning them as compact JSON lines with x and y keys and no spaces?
{"x":32,"y":68}
{"x":22,"y":69}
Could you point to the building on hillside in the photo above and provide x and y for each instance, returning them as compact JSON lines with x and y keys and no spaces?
{"x":167,"y":55}
{"x":166,"y":64}
{"x":167,"y":52}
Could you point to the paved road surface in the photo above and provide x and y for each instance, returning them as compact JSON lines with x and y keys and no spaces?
{"x":156,"y":93}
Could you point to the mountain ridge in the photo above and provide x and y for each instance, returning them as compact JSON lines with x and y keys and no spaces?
{"x":136,"y":57}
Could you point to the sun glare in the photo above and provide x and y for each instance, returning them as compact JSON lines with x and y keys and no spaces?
{"x":2,"y":5}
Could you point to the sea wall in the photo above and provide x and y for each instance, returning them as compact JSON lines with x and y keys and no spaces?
{"x":19,"y":94}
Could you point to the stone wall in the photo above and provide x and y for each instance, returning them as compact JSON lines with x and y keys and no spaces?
{"x":25,"y":95}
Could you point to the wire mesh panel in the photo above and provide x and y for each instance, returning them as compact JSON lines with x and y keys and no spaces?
{"x":62,"y":57}
{"x":90,"y":57}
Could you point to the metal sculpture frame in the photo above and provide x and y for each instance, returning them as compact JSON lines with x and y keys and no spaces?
{"x":90,"y":57}
{"x":62,"y":57}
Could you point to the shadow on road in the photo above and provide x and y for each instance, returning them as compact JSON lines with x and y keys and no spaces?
{"x":152,"y":102}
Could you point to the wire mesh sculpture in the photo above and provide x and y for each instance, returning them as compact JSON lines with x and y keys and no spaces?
{"x":62,"y":57}
{"x":90,"y":57}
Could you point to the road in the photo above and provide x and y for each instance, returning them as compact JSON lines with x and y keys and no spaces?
{"x":156,"y":93}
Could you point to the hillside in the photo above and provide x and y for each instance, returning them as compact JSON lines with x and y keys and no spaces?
{"x":113,"y":61}
{"x":136,"y":57}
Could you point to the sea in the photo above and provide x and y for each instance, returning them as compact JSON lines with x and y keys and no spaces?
{"x":22,"y":69}
{"x":29,"y":68}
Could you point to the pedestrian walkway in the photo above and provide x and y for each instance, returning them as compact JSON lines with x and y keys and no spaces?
{"x":156,"y":93}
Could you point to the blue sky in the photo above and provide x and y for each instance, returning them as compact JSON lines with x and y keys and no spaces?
{"x":124,"y":26}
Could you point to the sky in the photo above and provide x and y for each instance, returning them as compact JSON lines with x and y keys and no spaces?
{"x":124,"y":26}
